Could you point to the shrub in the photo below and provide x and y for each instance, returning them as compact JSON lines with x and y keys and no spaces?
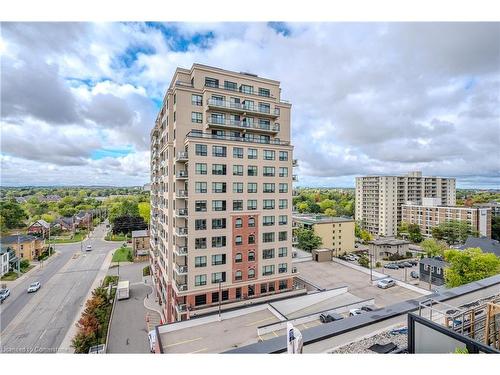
{"x":378,"y":264}
{"x":364,"y":262}
{"x":146,"y":271}
{"x":24,"y":263}
{"x":113,"y":280}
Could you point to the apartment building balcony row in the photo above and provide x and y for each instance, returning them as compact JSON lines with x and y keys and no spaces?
{"x":181,"y":287}
{"x":295,"y":178}
{"x":181,"y":175}
{"x":243,"y":108}
{"x":271,"y":141}
{"x":181,"y":212}
{"x":181,"y":194}
{"x":181,"y":231}
{"x":295,"y":163}
{"x":181,"y":270}
{"x":181,"y":250}
{"x":238,"y":124}
{"x":182,"y":156}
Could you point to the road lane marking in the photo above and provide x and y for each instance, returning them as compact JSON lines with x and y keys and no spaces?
{"x":259,"y":321}
{"x":198,"y":351}
{"x":275,"y":334}
{"x":184,"y":342}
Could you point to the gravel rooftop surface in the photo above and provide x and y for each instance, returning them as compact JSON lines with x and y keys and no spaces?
{"x":361,"y":346}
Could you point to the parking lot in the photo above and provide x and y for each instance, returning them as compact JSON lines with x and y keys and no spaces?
{"x":331,"y":275}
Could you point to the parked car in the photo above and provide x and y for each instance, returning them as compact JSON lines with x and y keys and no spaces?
{"x":4,"y":293}
{"x":367,"y":308}
{"x":414,"y":274}
{"x":413,"y":262}
{"x":386,"y":283}
{"x":34,"y":287}
{"x":89,"y":247}
{"x":405,"y":264}
{"x":391,"y":266}
{"x":356,"y":246}
{"x":354,"y":257}
{"x":331,"y":317}
{"x":354,"y":312}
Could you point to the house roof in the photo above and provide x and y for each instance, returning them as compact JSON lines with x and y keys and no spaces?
{"x":487,"y":245}
{"x":319,"y":219}
{"x":81,"y":214}
{"x":434,"y":262}
{"x":140,"y":233}
{"x":389,"y":241}
{"x":43,"y":223}
{"x":14,"y":239}
{"x":64,"y":220}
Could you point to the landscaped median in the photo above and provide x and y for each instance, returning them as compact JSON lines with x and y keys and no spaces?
{"x":123,"y":254}
{"x":94,"y":322}
{"x":79,"y":236}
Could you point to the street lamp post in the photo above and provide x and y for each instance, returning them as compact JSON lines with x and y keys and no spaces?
{"x":220,"y":297}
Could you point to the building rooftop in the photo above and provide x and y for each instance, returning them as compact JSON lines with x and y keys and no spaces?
{"x":389,"y":241}
{"x":140,"y":233}
{"x":320,"y":219}
{"x":17,"y":238}
{"x":434,"y":262}
{"x":487,"y":245}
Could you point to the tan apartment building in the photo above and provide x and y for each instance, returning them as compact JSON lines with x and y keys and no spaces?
{"x":430,"y":214}
{"x":337,"y":233}
{"x":379,"y":198}
{"x":140,"y":242}
{"x":221,"y":190}
{"x":25,"y":246}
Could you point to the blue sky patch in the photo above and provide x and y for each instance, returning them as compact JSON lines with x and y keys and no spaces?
{"x":280,"y":28}
{"x":110,"y":153}
{"x":179,"y":42}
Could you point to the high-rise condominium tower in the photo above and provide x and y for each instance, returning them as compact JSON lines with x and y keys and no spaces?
{"x":379,"y":198}
{"x":221,"y":192}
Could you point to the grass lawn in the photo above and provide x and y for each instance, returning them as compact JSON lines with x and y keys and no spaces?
{"x":77,"y":238}
{"x":123,"y":254}
{"x":116,"y":237}
{"x":12,"y":275}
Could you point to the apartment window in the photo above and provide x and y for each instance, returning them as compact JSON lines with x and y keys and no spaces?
{"x":218,"y":187}
{"x":251,"y":222}
{"x":268,"y":220}
{"x":269,"y":155}
{"x":237,"y":205}
{"x":237,"y":170}
{"x":246,"y":89}
{"x":238,"y":223}
{"x":200,"y":206}
{"x":238,"y":240}
{"x":200,"y":187}
{"x":219,"y":223}
{"x":283,"y":220}
{"x":215,"y":297}
{"x":218,"y":259}
{"x":251,"y":257}
{"x":196,"y":99}
{"x":268,"y":270}
{"x":218,"y":205}
{"x":237,"y":152}
{"x":200,"y":168}
{"x":237,"y":187}
{"x":200,"y":261}
{"x":282,"y":236}
{"x":268,"y":237}
{"x":200,"y":150}
{"x":175,"y":98}
{"x":252,"y":170}
{"x":174,"y":121}
{"x":264,"y":108}
{"x":252,"y":187}
{"x":228,"y":85}
{"x":200,"y":243}
{"x":238,"y":258}
{"x":269,"y":171}
{"x":268,"y":204}
{"x":252,"y":153}
{"x":265,"y":124}
{"x":282,"y":252}
{"x":211,"y":82}
{"x":251,"y":275}
{"x":283,"y":204}
{"x":200,"y":224}
{"x":283,"y":285}
{"x":283,"y":155}
{"x":268,"y":188}
{"x":283,"y":188}
{"x":252,"y":204}
{"x":264,"y":92}
{"x":200,"y":280}
{"x":218,"y":277}
{"x":238,"y":275}
{"x":197,"y":117}
{"x":282,"y":268}
{"x":238,"y":293}
{"x":268,"y":253}
{"x":200,"y":299}
{"x":283,"y":172}
{"x":219,"y":151}
{"x":219,"y":241}
{"x":251,"y":239}
{"x":219,"y":169}
{"x":218,"y":118}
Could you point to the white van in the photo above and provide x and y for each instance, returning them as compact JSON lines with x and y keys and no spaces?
{"x":123,"y":290}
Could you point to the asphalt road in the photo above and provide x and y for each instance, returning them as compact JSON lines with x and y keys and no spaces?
{"x":38,"y":322}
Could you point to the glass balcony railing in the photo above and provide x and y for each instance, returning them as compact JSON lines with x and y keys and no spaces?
{"x":242,"y":124}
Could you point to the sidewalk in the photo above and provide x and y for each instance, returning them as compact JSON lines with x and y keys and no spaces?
{"x":151,"y":302}
{"x":37,"y":265}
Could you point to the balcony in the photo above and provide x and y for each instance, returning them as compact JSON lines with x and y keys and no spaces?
{"x":181,"y":231}
{"x":181,"y":308}
{"x":294,"y":269}
{"x":181,"y":175}
{"x":295,"y":178}
{"x":295,"y":163}
{"x":181,"y":194}
{"x":181,"y":212}
{"x":181,"y":250}
{"x":181,"y":287}
{"x":182,"y":156}
{"x":181,"y":270}
{"x":242,"y":108}
{"x":195,"y":134}
{"x":237,"y":124}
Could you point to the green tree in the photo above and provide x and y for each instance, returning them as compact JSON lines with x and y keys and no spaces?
{"x":495,"y":228}
{"x":469,"y":265}
{"x":366,"y":236}
{"x":307,"y":239}
{"x":326,"y":204}
{"x":330,"y":212}
{"x":452,"y":232}
{"x":145,"y":211}
{"x":303,"y":207}
{"x":414,"y":234}
{"x":433,"y":247}
{"x":13,"y":215}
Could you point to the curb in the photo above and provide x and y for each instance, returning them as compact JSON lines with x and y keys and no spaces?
{"x":110,"y":320}
{"x":14,"y":283}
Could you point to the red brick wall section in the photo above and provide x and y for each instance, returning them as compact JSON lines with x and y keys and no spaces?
{"x":245,"y":231}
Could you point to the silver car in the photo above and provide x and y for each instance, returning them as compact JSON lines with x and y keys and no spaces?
{"x":34,"y":287}
{"x":386,"y":283}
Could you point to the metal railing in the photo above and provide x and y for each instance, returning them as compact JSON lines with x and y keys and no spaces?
{"x":181,"y":212}
{"x":192,"y":134}
{"x":242,"y":107}
{"x":181,"y":193}
{"x":181,"y":231}
{"x":181,"y":174}
{"x":243,"y":124}
{"x":182,"y":155}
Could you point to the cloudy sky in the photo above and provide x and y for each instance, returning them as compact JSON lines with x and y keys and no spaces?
{"x":78,"y":100}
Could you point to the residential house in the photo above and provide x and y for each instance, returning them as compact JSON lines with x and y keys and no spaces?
{"x":25,"y":246}
{"x":50,"y":198}
{"x":432,"y":268}
{"x":487,"y":245}
{"x":4,"y":261}
{"x":140,"y":242}
{"x":83,"y":219}
{"x":39,"y":228}
{"x":64,"y":223}
{"x":385,"y":247}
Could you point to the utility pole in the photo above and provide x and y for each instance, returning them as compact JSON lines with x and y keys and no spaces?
{"x":220,"y":297}
{"x":19,"y":250}
{"x":371,"y":266}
